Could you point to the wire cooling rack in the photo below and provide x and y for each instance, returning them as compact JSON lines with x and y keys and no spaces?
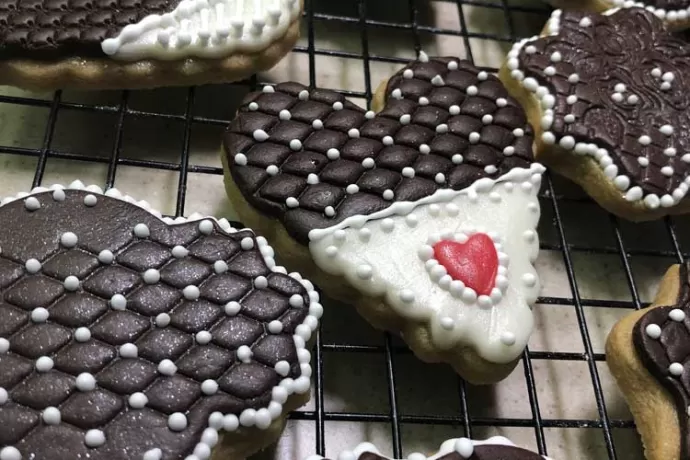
{"x":595,"y":268}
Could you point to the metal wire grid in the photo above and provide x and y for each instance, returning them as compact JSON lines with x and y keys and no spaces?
{"x":548,"y":198}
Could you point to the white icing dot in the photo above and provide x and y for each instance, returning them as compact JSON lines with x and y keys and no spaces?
{"x":162,"y":320}
{"x":272,"y":170}
{"x":275,"y":327}
{"x":71,"y":283}
{"x":129,"y":350}
{"x":472,"y":90}
{"x":369,"y":115}
{"x":338,"y":106}
{"x":167,"y":367}
{"x":82,"y":334}
{"x":244,"y":354}
{"x":106,"y":257}
{"x":303,"y":95}
{"x":665,"y":86}
{"x":209,"y":387}
{"x":152,"y":276}
{"x":633,"y":99}
{"x":203,"y":337}
{"x":191,"y":292}
{"x":518,"y":132}
{"x":442,"y":128}
{"x":619,"y":88}
{"x":643,"y":161}
{"x":268,"y":89}
{"x":570,"y":118}
{"x":253,"y":106}
{"x":406,"y":295}
{"x":666,"y":129}
{"x":352,"y":189}
{"x":282,"y":368}
{"x":667,"y":171}
{"x":260,"y":282}
{"x":405,"y":119}
{"x":32,"y":204}
{"x":423,"y":101}
{"x":4,"y":345}
{"x":10,"y":453}
{"x":550,"y":71}
{"x":585,"y":22}
{"x":153,"y":454}
{"x":241,"y":158}
{"x":653,"y":331}
{"x":457,"y":159}
{"x":675,"y":369}
{"x":482,"y":75}
{"x":397,"y":94}
{"x":408,"y":171}
{"x":94,"y":438}
{"x":388,"y":194}
{"x":206,"y":227}
{"x":260,"y":136}
{"x":68,"y":239}
{"x":364,"y":272}
{"x":292,"y":202}
{"x":329,"y":211}
{"x":51,"y":416}
{"x":408,"y":73}
{"x":295,"y":144}
{"x":232,"y":308}
{"x":59,"y":195}
{"x":85,"y":382}
{"x":617,"y":97}
{"x":284,"y":114}
{"x":452,"y":65}
{"x":333,"y":154}
{"x":296,"y":301}
{"x":177,"y":421}
{"x":138,"y":400}
{"x":501,"y":102}
{"x":570,"y":100}
{"x":487,"y":119}
{"x":437,"y":81}
{"x":4,"y":396}
{"x":656,"y":72}
{"x":531,"y":49}
{"x":447,"y":323}
{"x":464,"y":447}
{"x":141,"y":231}
{"x":247,"y":243}
{"x":490,"y":169}
{"x":644,"y":140}
{"x":387,"y":225}
{"x":424,"y":149}
{"x":529,"y":279}
{"x":39,"y":315}
{"x":508,"y":338}
{"x":686,"y":158}
{"x":312,"y":179}
{"x":668,"y":76}
{"x":33,"y":266}
{"x":317,"y":124}
{"x":474,"y":137}
{"x":440,"y":178}
{"x":556,"y":56}
{"x":671,"y":152}
{"x":118,"y":302}
{"x":676,"y":314}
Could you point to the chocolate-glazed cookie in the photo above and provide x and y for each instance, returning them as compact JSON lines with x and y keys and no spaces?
{"x":443,"y":173}
{"x":124,"y":335}
{"x":496,"y":448}
{"x":609,"y":93}
{"x":141,"y":43}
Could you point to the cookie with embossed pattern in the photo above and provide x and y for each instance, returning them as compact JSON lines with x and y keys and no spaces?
{"x":117,"y":44}
{"x":608,"y":96}
{"x":647,"y":352}
{"x":125,"y":335}
{"x":495,"y":448}
{"x":422,"y":215}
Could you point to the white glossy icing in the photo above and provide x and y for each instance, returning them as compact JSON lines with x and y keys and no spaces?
{"x":366,"y":261}
{"x":205,"y":29}
{"x":463,"y":446}
{"x":261,"y":418}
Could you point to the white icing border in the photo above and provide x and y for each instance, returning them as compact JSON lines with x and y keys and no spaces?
{"x":205,"y":29}
{"x":460,"y":445}
{"x":261,"y":418}
{"x":567,"y":142}
{"x":671,"y":17}
{"x":401,"y":208}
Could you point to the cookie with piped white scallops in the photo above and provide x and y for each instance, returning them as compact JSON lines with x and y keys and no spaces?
{"x":647,"y":352}
{"x":608,"y":97}
{"x":495,"y":448}
{"x":126,"y":335}
{"x":423,"y":215}
{"x":120,"y":44}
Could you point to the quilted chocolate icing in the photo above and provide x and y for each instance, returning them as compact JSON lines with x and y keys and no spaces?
{"x":48,"y":29}
{"x":311,"y":158}
{"x":115,"y":321}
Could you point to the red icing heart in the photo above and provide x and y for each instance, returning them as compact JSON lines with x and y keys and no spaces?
{"x":473,"y":262}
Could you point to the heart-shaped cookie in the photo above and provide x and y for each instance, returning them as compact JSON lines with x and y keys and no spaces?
{"x":124,"y":335}
{"x":494,"y":448}
{"x":368,"y":195}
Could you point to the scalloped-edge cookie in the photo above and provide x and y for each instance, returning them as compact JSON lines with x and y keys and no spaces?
{"x":608,"y":96}
{"x":494,"y":448}
{"x":647,"y":352}
{"x":423,"y":216}
{"x":125,"y":335}
{"x":119,"y":44}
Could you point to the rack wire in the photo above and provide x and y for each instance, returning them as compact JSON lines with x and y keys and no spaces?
{"x":554,"y":207}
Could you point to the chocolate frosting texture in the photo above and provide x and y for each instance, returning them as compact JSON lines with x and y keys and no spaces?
{"x":445,"y":125}
{"x":620,"y":81}
{"x":49,"y":29}
{"x":667,"y":341}
{"x":29,"y":385}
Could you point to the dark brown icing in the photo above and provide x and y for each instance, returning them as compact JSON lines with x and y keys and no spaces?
{"x":440,"y":89}
{"x":48,"y":29}
{"x":673,"y":346}
{"x":622,"y":48}
{"x":130,"y":432}
{"x":481,"y":452}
